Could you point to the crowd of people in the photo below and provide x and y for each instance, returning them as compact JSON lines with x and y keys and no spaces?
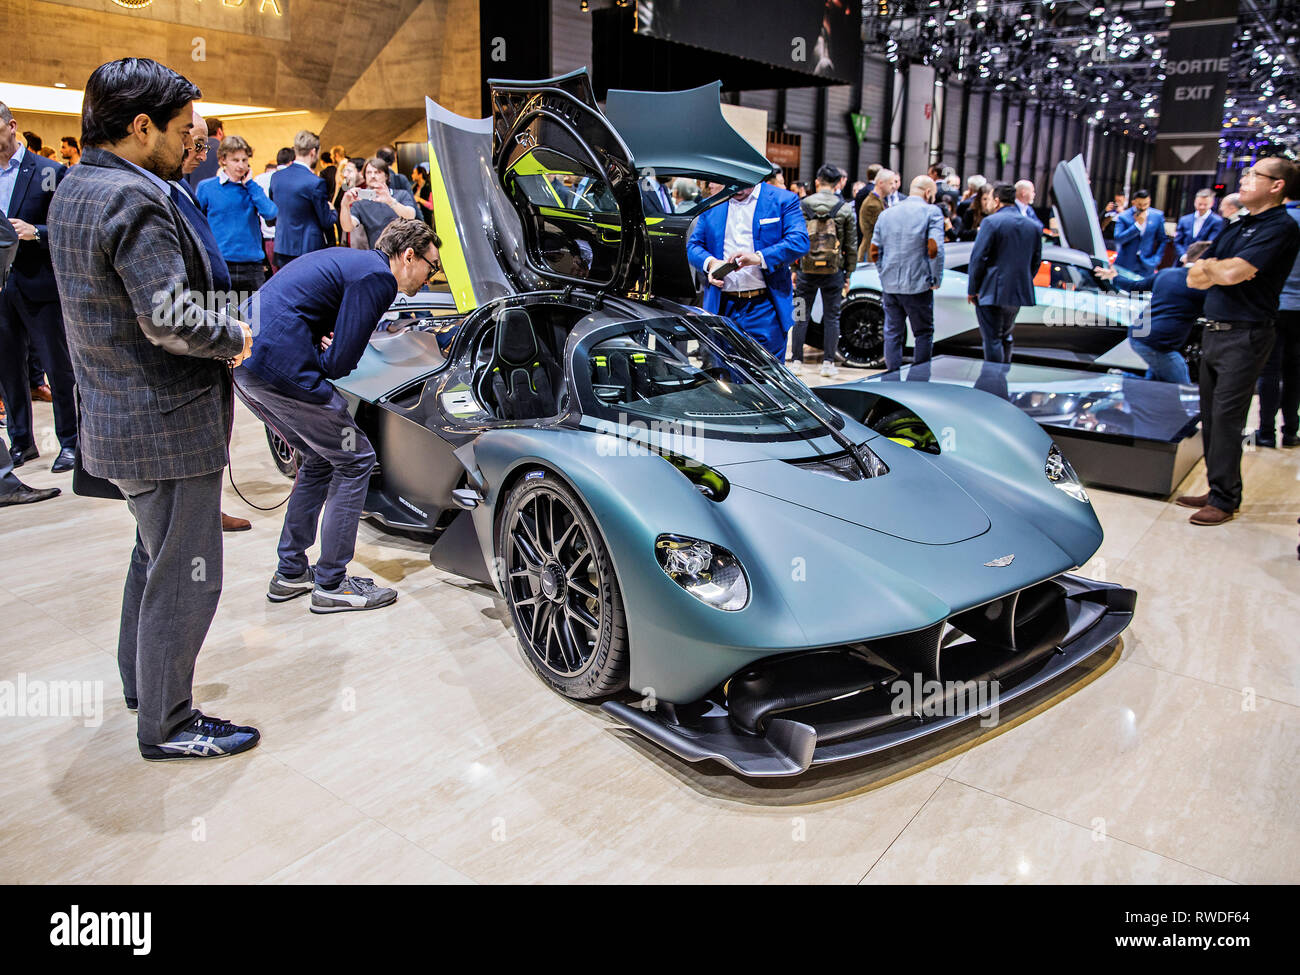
{"x":144,"y":276}
{"x":1233,"y":273}
{"x":155,"y":278}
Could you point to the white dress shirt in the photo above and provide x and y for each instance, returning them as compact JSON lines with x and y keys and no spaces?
{"x":264,"y":180}
{"x":1197,"y":223}
{"x":739,"y":236}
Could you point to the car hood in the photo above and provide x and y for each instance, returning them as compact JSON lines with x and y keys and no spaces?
{"x":893,"y":584}
{"x":886,"y":503}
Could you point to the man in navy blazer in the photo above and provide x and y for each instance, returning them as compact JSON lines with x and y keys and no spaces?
{"x":305,"y":219}
{"x":29,"y":303}
{"x":762,"y":230}
{"x":1140,"y":236}
{"x":1200,"y":224}
{"x":1000,"y":280}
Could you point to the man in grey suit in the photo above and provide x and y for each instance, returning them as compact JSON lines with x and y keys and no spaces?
{"x":151,"y":350}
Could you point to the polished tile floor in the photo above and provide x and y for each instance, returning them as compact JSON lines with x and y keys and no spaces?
{"x":414,"y":745}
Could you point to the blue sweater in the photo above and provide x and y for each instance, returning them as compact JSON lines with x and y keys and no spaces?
{"x":339,"y":290}
{"x":1173,"y":311}
{"x":232,"y":209}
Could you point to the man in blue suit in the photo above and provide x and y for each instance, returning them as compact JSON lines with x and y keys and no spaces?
{"x":762,"y":230}
{"x":1140,"y":236}
{"x":29,"y":302}
{"x":305,"y":219}
{"x":1200,"y":224}
{"x":1006,"y":255}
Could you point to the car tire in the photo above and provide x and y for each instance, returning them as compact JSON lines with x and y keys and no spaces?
{"x":288,"y":459}
{"x":559,"y":583}
{"x":862,"y":331}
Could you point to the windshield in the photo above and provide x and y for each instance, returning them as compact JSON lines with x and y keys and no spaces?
{"x":702,"y":374}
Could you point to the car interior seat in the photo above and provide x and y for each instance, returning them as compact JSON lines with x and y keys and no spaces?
{"x":522,"y":373}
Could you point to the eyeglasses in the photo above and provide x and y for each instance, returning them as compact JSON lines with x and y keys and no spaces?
{"x":1253,"y":173}
{"x":200,"y":148}
{"x":434,"y":266}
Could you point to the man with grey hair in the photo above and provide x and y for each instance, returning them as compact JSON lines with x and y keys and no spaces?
{"x":1201,"y":224}
{"x":1025,"y":194}
{"x":873,"y":206}
{"x":304,"y":219}
{"x":1230,"y":208}
{"x":907,"y":248}
{"x":973,"y":187}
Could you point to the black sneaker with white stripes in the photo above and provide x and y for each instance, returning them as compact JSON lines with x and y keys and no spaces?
{"x":284,"y":588}
{"x":203,"y":737}
{"x":353,"y":593}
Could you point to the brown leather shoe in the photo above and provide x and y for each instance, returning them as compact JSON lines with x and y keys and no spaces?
{"x":1210,"y":515}
{"x":229,"y":524}
{"x":42,"y":393}
{"x":1193,"y":500}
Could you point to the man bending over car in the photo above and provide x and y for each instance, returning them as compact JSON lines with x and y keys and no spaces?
{"x":314,"y":319}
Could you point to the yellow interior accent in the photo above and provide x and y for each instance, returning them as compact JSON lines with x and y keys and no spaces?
{"x":450,"y":253}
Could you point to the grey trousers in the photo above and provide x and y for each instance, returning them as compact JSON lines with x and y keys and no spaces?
{"x":171,"y":594}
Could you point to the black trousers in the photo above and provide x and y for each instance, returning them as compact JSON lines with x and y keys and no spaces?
{"x":1279,"y":384}
{"x":35,"y":371}
{"x":171,"y":593}
{"x":1231,"y":362}
{"x":40,"y":324}
{"x":246,"y":277}
{"x":997,"y":324}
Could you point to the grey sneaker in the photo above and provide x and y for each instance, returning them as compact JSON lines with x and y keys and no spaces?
{"x":284,"y":588}
{"x":353,"y":593}
{"x":829,"y":370}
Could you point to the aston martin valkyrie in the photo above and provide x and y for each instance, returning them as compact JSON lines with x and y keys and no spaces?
{"x":737,"y":567}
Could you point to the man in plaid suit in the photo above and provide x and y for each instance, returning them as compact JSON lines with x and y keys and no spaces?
{"x":150,"y":351}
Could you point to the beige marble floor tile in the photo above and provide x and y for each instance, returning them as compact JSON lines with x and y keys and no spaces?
{"x":963,"y":835}
{"x":1167,"y":763}
{"x":1241,"y":637}
{"x":368,"y":853}
{"x":603,"y":809}
{"x":98,"y":814}
{"x":1124,"y":518}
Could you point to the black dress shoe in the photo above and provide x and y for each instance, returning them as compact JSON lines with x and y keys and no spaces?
{"x":21,"y":455}
{"x":26,"y":495}
{"x":1290,"y":440}
{"x":65,"y":461}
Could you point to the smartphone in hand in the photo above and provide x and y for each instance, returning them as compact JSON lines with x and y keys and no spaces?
{"x":720,"y":271}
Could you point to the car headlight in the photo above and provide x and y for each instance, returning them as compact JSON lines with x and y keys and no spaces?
{"x":708,"y":572}
{"x":1060,"y":473}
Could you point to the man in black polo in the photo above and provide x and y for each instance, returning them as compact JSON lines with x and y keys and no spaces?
{"x":1243,"y":273}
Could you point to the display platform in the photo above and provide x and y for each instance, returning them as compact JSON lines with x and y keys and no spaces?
{"x":1118,"y":431}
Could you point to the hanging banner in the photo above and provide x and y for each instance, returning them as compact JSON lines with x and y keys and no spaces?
{"x":1197,"y":61}
{"x":860,"y":125}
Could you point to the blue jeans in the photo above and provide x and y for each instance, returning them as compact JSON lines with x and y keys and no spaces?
{"x":1167,"y":367}
{"x":996,"y":325}
{"x":336,"y":463}
{"x":918,"y":309}
{"x":806,"y":287}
